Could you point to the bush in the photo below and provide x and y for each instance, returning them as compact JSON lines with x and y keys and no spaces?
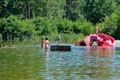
{"x":44,"y":26}
{"x":12,"y":27}
{"x":110,"y":25}
{"x":87,"y":28}
{"x":64,"y":25}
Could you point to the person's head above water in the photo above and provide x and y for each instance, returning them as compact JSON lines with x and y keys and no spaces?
{"x":93,"y":38}
{"x":46,"y":38}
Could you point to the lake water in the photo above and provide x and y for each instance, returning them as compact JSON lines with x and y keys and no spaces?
{"x":81,"y":63}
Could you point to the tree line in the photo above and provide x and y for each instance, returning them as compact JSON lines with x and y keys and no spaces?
{"x":21,"y":19}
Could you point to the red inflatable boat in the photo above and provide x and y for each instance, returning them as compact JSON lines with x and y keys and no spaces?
{"x":99,"y":39}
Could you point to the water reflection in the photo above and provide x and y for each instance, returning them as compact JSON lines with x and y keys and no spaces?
{"x":100,"y":61}
{"x":46,"y":52}
{"x":100,"y":51}
{"x":82,"y":63}
{"x":93,"y":63}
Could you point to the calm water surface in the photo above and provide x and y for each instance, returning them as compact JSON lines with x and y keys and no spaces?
{"x":82,"y":63}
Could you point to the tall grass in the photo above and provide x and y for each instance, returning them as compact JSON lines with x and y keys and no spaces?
{"x":36,"y":40}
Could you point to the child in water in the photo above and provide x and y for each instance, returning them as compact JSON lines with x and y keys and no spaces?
{"x":58,"y":39}
{"x":42,"y":42}
{"x":46,"y":43}
{"x":97,"y":30}
{"x":93,"y":41}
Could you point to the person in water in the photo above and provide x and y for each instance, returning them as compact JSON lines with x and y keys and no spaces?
{"x":97,"y":29}
{"x":46,"y":43}
{"x":93,"y":41}
{"x":58,"y":39}
{"x":42,"y":42}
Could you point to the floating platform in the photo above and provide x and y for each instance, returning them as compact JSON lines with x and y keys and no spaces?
{"x":60,"y":48}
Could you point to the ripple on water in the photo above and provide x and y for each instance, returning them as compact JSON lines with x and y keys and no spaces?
{"x":82,"y":63}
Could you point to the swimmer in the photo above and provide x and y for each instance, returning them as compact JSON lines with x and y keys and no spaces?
{"x":46,"y":43}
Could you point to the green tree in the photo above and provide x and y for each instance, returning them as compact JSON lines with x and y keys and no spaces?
{"x":116,"y":33}
{"x":55,"y":8}
{"x":110,"y":24}
{"x":12,"y":27}
{"x":74,"y":9}
{"x":44,"y":26}
{"x":39,"y":8}
{"x":64,"y":26}
{"x":8,"y":7}
{"x":96,"y":10}
{"x":33,"y":8}
{"x":23,"y":8}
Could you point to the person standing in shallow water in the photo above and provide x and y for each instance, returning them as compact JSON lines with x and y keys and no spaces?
{"x":46,"y":43}
{"x":42,"y":42}
{"x":58,"y":39}
{"x":97,"y":30}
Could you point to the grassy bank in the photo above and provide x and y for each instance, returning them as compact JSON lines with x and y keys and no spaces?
{"x":65,"y":38}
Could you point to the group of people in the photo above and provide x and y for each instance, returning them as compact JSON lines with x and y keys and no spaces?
{"x":45,"y":43}
{"x":7,"y":46}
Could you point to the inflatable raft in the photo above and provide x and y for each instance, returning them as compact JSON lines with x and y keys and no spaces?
{"x":97,"y":39}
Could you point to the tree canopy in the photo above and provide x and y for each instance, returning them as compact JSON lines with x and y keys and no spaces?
{"x":26,"y":17}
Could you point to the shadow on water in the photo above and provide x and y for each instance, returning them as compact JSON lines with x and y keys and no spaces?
{"x":82,"y":63}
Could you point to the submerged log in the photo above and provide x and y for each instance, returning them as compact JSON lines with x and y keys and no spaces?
{"x":60,"y":48}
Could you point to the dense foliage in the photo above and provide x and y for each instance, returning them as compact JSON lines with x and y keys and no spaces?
{"x":14,"y":28}
{"x":21,"y":19}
